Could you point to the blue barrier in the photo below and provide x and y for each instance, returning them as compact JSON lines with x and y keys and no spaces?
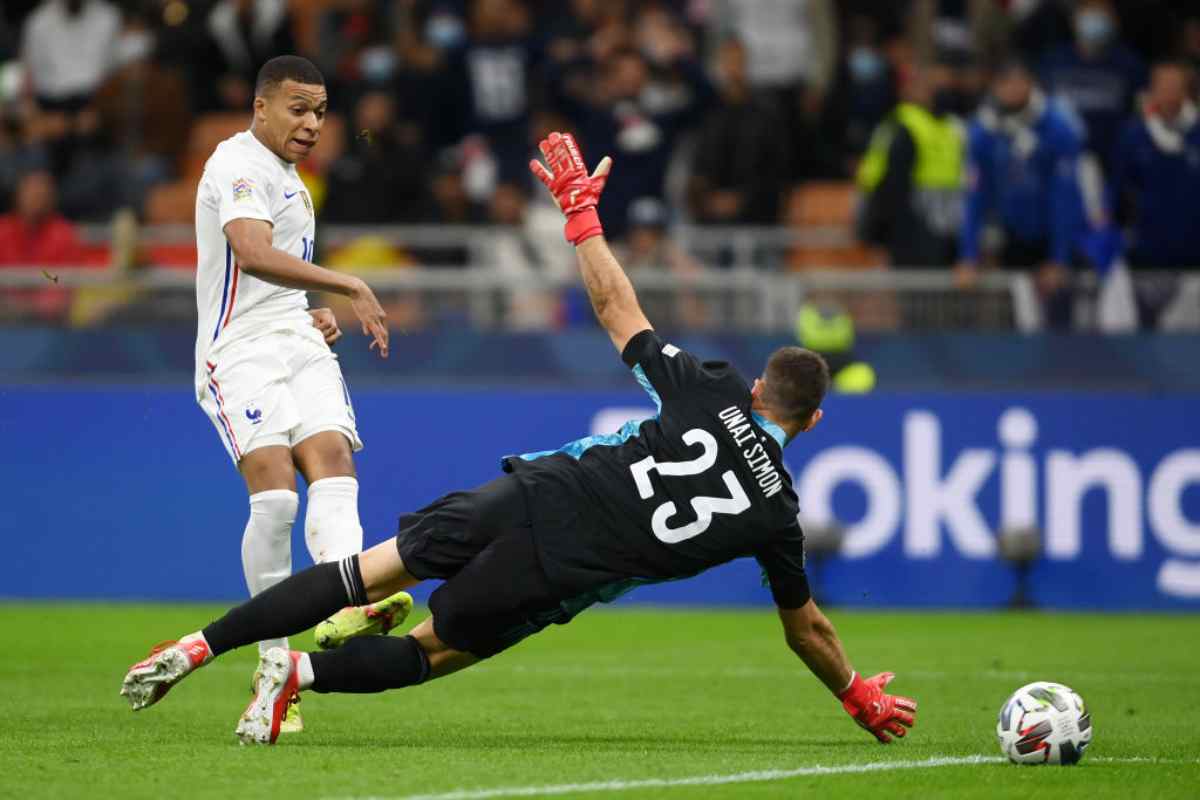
{"x":125,"y":492}
{"x":582,"y":358}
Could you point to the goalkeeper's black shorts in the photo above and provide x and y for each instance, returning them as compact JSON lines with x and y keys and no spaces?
{"x":481,"y":543}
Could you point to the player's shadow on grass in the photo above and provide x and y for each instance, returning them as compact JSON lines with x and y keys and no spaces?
{"x":454,"y":740}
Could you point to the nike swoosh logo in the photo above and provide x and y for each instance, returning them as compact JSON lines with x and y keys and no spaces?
{"x":287,"y":196}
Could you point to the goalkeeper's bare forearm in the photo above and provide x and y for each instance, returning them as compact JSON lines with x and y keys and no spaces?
{"x":811,"y":636}
{"x":612,"y":295}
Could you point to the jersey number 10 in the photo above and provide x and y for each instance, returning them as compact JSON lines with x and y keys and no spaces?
{"x":705,"y":507}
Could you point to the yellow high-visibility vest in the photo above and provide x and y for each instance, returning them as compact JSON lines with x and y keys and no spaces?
{"x":826,"y":330}
{"x":939,"y":143}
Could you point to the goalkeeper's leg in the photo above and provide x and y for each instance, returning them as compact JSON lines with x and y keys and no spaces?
{"x":305,"y":599}
{"x":287,"y":608}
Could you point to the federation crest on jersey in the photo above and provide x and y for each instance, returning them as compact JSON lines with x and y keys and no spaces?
{"x":243,"y":189}
{"x":253,"y":411}
{"x":307,"y":201}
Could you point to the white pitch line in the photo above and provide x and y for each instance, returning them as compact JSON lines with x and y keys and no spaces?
{"x":737,"y":777}
{"x":698,"y":780}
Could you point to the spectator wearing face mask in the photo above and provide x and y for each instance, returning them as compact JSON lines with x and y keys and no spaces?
{"x":911,"y":178}
{"x":1157,"y":180}
{"x":1023,"y":175}
{"x":863,"y":92}
{"x":1098,"y":74}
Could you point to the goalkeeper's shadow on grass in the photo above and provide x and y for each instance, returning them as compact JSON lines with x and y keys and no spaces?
{"x":452,"y":740}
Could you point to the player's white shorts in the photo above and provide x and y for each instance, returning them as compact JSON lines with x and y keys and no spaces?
{"x":277,"y":389}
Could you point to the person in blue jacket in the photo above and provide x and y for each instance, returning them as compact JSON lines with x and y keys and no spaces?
{"x":1023,"y":153}
{"x":1156,"y":183}
{"x":1098,"y":74}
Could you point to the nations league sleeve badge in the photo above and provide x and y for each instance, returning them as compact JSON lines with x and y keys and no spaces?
{"x":243,"y":189}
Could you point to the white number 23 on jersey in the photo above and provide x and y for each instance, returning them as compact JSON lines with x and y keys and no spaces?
{"x":705,"y":507}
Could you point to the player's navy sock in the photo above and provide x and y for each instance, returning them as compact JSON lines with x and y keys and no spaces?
{"x":291,"y":606}
{"x":370,"y":664}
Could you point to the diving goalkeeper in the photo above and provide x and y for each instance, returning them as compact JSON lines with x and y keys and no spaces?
{"x":697,"y":485}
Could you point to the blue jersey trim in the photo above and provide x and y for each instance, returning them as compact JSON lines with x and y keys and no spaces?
{"x":770,"y":427}
{"x":644,"y":382}
{"x":577,"y":448}
{"x":225,"y":291}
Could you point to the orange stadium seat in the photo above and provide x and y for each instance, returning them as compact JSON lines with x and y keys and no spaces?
{"x":825,"y":204}
{"x":831,"y":206}
{"x":208,"y":131}
{"x":172,"y":202}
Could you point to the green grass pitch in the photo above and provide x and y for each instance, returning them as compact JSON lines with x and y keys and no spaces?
{"x":621,"y":697}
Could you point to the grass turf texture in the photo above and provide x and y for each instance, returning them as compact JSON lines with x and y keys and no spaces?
{"x":618,"y":695}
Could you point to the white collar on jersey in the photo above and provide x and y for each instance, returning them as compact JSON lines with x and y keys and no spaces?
{"x":256,"y":143}
{"x":772,"y":428}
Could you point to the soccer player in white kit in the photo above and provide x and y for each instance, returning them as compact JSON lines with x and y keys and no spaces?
{"x":265,"y":374}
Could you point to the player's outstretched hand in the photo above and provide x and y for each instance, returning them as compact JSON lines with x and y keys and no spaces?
{"x":371,"y":315}
{"x":879,"y":713}
{"x":575,"y":191}
{"x":326,"y":323}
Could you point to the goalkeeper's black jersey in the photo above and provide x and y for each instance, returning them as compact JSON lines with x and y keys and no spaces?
{"x":701,"y":483}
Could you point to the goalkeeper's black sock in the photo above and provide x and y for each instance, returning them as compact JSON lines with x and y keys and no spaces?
{"x":291,"y":606}
{"x":370,"y":664}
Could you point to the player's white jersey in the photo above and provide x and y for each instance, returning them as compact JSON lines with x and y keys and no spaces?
{"x":244,"y":179}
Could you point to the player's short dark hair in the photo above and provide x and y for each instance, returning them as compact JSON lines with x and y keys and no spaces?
{"x":796,"y":381}
{"x":1173,"y":62}
{"x":287,"y":68}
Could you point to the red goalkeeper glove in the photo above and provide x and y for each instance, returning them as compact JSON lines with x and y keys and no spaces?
{"x":576,"y":192}
{"x":879,"y":713}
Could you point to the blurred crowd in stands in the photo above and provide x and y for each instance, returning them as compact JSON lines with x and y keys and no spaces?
{"x":1049,"y":135}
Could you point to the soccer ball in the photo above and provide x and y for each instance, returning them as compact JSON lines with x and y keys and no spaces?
{"x":1044,"y":723}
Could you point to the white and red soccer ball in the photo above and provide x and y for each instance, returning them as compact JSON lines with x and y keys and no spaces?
{"x":1044,"y":723}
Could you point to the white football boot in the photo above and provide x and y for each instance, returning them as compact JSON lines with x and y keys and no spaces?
{"x":278,"y":684}
{"x":149,"y":680}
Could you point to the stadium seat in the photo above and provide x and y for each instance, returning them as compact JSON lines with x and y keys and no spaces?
{"x":829,"y":206}
{"x":208,"y":131}
{"x":172,"y":202}
{"x":824,"y":204}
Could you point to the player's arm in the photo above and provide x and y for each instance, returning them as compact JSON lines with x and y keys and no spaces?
{"x":612,"y":295}
{"x":577,"y":193}
{"x":251,"y":242}
{"x":811,"y":636}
